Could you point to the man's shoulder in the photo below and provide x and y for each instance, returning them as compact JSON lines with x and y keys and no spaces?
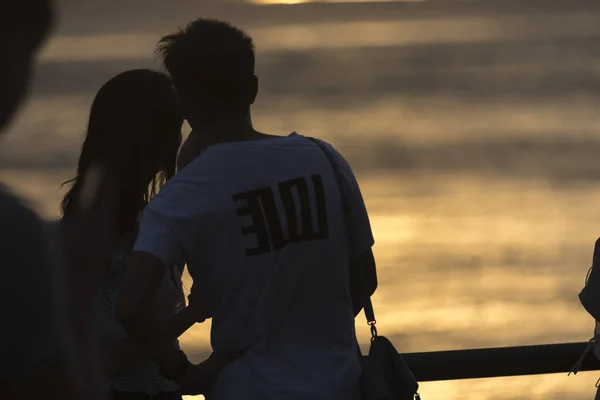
{"x":182,"y":193}
{"x":337,"y":155}
{"x":338,"y":159}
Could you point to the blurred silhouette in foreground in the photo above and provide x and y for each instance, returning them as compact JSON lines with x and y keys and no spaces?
{"x":135,"y":129}
{"x":46,"y":287}
{"x":257,"y":218}
{"x":34,"y":351}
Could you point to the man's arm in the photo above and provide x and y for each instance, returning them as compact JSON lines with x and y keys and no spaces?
{"x":157,"y":247}
{"x":135,"y":310}
{"x":139,"y":320}
{"x":120,"y":356}
{"x":363,"y":275}
{"x":363,"y":271}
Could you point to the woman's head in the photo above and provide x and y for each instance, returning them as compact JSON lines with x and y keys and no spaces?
{"x":134,"y":132}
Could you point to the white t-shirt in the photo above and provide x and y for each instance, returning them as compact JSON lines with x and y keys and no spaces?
{"x":259,"y":224}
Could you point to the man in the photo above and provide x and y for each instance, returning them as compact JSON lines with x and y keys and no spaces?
{"x":40,"y":338}
{"x":258,"y":220}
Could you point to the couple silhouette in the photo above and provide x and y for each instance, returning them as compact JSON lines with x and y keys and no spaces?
{"x":269,"y":226}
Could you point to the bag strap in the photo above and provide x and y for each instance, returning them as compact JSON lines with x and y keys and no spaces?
{"x":367,"y":304}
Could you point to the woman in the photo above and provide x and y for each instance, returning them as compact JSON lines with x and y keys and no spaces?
{"x":133,"y":135}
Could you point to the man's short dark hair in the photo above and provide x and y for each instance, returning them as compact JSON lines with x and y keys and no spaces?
{"x":213,"y":63}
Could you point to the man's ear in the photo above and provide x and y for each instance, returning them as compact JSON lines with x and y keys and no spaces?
{"x":253,"y":89}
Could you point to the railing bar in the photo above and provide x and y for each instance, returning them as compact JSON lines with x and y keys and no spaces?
{"x":499,"y":362}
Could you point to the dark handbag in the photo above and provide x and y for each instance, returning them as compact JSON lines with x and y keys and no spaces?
{"x":385,"y":375}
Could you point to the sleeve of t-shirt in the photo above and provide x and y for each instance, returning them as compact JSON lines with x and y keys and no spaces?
{"x":33,"y":327}
{"x":156,"y":237}
{"x":359,"y":226}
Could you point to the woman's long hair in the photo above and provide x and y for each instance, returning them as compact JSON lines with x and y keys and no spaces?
{"x":134,"y":132}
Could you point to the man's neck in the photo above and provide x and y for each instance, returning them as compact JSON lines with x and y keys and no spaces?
{"x":206,"y":136}
{"x":228,"y":131}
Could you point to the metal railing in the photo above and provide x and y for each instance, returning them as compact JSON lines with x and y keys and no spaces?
{"x":500,"y":361}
